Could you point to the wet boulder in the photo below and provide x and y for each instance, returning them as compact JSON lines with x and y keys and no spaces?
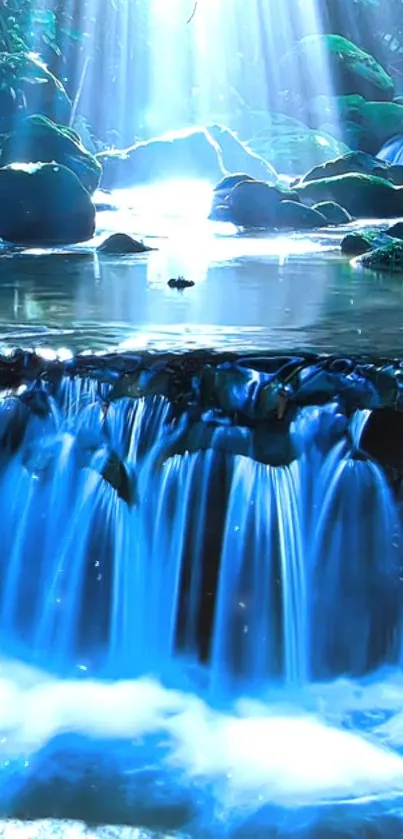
{"x":353,"y":71}
{"x":386,"y":258}
{"x":359,"y":242}
{"x":221,"y":192}
{"x":44,"y":203}
{"x":187,"y":154}
{"x":334,"y":213}
{"x":254,"y":204}
{"x":28,"y":87}
{"x":296,"y":216}
{"x":363,"y":196}
{"x":39,"y":140}
{"x":358,"y":162}
{"x":122,"y":243}
{"x":396,"y":230}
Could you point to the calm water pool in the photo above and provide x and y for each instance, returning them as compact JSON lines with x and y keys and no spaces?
{"x":280,"y":292}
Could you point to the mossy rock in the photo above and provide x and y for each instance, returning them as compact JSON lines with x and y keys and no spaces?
{"x":44,"y":203}
{"x":352,"y":70}
{"x":297,"y":216}
{"x":28,"y":87}
{"x":387,"y":258}
{"x":355,"y":162}
{"x":392,"y":152}
{"x":359,"y":242}
{"x":363,"y":196}
{"x":39,"y":140}
{"x":334,"y":213}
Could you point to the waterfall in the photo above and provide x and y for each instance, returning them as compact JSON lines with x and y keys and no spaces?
{"x":134,"y":538}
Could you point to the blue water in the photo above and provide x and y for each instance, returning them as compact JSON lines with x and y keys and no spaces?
{"x":137,"y":702}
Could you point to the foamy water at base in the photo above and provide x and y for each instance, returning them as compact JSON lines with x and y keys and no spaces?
{"x":137,"y":753}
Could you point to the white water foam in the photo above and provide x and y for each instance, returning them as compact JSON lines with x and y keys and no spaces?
{"x":257,"y":754}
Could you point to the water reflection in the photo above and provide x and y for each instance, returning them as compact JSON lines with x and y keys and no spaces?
{"x":262,"y":291}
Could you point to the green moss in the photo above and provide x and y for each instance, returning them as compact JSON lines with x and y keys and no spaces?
{"x":363,"y":196}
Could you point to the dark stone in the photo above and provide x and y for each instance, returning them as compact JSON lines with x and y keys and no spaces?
{"x":121,"y":243}
{"x":396,"y":230}
{"x":255,"y":204}
{"x":180,"y":283}
{"x":359,"y":242}
{"x":294,"y":215}
{"x":363,"y":196}
{"x":44,"y":203}
{"x":333,"y":213}
{"x":39,"y":140}
{"x":382,"y":437}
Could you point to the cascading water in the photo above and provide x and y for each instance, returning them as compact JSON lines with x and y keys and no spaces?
{"x":134,"y":538}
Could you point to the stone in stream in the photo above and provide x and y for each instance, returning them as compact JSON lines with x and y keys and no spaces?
{"x":333,"y":213}
{"x":122,"y":243}
{"x":363,"y":196}
{"x":359,"y":242}
{"x":389,"y":257}
{"x":44,"y":204}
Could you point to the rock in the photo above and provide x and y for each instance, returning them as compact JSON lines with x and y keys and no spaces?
{"x":382,"y":437}
{"x":204,"y":153}
{"x":187,"y":154}
{"x":294,"y":215}
{"x":387,"y":258}
{"x":44,"y":203}
{"x":237,"y":157}
{"x":39,"y":140}
{"x":363,"y":196}
{"x":28,"y":87}
{"x":358,"y":162}
{"x":352,"y":70}
{"x":219,"y":208}
{"x":333,"y":213}
{"x":359,"y":242}
{"x":392,"y":151}
{"x":121,"y":243}
{"x":292,"y":147}
{"x":396,"y":230}
{"x":180,"y":283}
{"x":255,"y":204}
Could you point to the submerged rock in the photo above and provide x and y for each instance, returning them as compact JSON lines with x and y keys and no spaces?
{"x":39,"y":140}
{"x":352,"y":70}
{"x":333,"y":213}
{"x":363,"y":196}
{"x":44,"y":203}
{"x":298,"y":216}
{"x":121,"y":243}
{"x":359,"y":242}
{"x":386,"y":258}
